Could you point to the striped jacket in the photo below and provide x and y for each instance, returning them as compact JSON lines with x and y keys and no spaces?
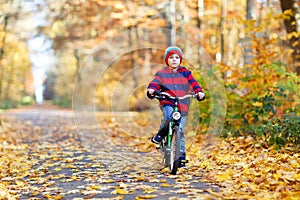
{"x":176,"y":83}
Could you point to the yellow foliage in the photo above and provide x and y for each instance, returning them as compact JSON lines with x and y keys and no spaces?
{"x":15,"y":71}
{"x":293,"y":34}
{"x":241,"y":166}
{"x":288,"y":12}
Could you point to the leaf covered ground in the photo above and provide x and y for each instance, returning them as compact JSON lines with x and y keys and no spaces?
{"x":43,"y":157}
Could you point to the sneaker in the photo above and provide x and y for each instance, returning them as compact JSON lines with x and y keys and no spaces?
{"x":182,"y":156}
{"x":183,"y":166}
{"x":183,"y":161}
{"x":156,"y":139}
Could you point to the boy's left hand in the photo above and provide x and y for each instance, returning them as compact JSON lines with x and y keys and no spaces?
{"x":200,"y":95}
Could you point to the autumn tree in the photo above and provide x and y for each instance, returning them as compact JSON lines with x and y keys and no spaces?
{"x":291,"y":23}
{"x":82,"y":26}
{"x":15,"y":72}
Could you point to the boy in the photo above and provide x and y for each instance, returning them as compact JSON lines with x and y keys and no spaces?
{"x":177,"y":81}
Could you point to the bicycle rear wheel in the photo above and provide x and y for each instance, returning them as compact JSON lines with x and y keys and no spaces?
{"x":175,"y":151}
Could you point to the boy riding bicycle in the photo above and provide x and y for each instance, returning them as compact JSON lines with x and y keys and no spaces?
{"x":177,"y":81}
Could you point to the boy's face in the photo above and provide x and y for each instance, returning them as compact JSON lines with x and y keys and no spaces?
{"x":174,"y":61}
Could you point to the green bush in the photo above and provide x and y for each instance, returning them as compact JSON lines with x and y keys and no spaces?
{"x":286,"y":131}
{"x":62,"y":101}
{"x":5,"y":104}
{"x":269,"y":107}
{"x":26,"y":100}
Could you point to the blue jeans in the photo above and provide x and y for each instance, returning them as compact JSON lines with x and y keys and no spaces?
{"x":164,"y":126}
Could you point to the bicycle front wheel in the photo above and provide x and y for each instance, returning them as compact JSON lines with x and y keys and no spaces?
{"x":175,"y":151}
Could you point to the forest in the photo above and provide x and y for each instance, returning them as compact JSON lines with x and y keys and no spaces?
{"x":100,"y":55}
{"x":245,"y":55}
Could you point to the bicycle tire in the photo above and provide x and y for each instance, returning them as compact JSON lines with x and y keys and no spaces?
{"x":165,"y":155}
{"x":175,"y":151}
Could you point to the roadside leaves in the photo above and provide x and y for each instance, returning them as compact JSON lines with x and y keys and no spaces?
{"x":242,"y":168}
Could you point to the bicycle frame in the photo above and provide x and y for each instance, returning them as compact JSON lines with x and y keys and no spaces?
{"x":172,"y":124}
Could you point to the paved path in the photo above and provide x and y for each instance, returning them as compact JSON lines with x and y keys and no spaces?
{"x":66,"y":169}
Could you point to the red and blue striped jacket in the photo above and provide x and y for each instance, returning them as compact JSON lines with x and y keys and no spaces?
{"x":176,"y":83}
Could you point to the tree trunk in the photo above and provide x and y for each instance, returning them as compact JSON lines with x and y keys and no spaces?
{"x":251,"y":10}
{"x":4,"y":37}
{"x":10,"y":82}
{"x":290,"y":26}
{"x":200,"y":20}
{"x":1,"y":54}
{"x":250,"y":15}
{"x":78,"y":64}
{"x":172,"y":14}
{"x":222,"y":29}
{"x":134,"y":56}
{"x":200,"y":12}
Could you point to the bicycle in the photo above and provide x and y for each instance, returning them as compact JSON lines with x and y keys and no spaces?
{"x":170,"y":145}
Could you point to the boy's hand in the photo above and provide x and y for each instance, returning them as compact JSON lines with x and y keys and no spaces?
{"x":200,"y":96}
{"x":151,"y":91}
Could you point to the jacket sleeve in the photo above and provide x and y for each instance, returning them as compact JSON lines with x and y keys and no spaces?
{"x":156,"y":83}
{"x":193,"y":83}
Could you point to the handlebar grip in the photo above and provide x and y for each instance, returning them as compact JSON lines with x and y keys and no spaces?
{"x":157,"y":93}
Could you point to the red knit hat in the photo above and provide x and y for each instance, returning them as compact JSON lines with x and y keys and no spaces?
{"x":172,"y":50}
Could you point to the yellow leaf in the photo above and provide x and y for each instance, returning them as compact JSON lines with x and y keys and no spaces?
{"x":96,"y":187}
{"x":57,"y":169}
{"x":108,"y":181}
{"x":75,"y":178}
{"x":121,"y":191}
{"x":222,"y":177}
{"x":277,"y":175}
{"x":149,"y":190}
{"x":257,"y":104}
{"x":293,"y":34}
{"x":48,"y":196}
{"x":288,"y":12}
{"x":20,"y":183}
{"x":165,"y":185}
{"x":295,"y":43}
{"x":297,"y":177}
{"x":295,"y":164}
{"x":146,"y":197}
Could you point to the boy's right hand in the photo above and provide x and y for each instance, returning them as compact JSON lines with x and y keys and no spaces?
{"x":150,"y":93}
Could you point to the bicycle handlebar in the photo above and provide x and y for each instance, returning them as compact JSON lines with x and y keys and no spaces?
{"x":161,"y":95}
{"x":172,"y":97}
